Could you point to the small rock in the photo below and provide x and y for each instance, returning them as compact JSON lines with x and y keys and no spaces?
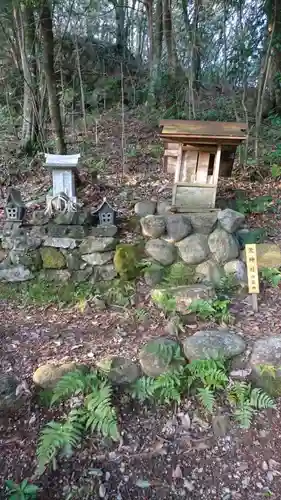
{"x":104,"y":273}
{"x":52,"y":258}
{"x":97,"y":258}
{"x":153,"y":276}
{"x":93,"y":244}
{"x":213,"y":343}
{"x":184,"y":295}
{"x":102,"y":491}
{"x":55,"y":275}
{"x":104,"y":231}
{"x":230,"y":220}
{"x":47,"y":376}
{"x":203,"y":222}
{"x":223,"y":246}
{"x":163,"y":207}
{"x":194,"y":249}
{"x":221,"y":425}
{"x":60,"y":242}
{"x":143,"y":208}
{"x":15,"y":274}
{"x":178,"y":227}
{"x":156,"y":360}
{"x":209,"y":271}
{"x":161,"y":251}
{"x":99,"y":304}
{"x":39,"y":218}
{"x":264,"y":466}
{"x":153,"y":226}
{"x":120,"y":370}
{"x":9,"y":398}
{"x":267,"y":351}
{"x":236,"y":268}
{"x":177,"y":473}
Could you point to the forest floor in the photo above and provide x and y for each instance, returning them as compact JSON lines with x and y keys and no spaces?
{"x":171,"y":460}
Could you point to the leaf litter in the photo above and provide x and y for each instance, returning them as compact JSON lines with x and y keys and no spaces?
{"x":157,"y":445}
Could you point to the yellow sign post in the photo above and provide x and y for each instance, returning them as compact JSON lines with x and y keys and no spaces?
{"x":253,"y":275}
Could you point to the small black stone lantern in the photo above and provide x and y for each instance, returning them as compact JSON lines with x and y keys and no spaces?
{"x":14,"y":209}
{"x":106,"y":214}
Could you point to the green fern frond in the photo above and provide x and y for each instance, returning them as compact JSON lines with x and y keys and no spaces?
{"x":206,"y":398}
{"x":143,"y":388}
{"x":260,"y":400}
{"x":244,"y":415}
{"x":101,"y":415}
{"x":167,"y":387}
{"x":73,"y":383}
{"x":55,"y":437}
{"x":210,"y":372}
{"x":238,"y":393}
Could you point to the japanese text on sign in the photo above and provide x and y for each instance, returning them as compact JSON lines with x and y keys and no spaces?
{"x":252,"y":268}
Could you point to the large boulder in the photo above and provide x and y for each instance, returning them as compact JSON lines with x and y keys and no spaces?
{"x":153,"y":226}
{"x":203,"y":222}
{"x":213,"y":344}
{"x":194,"y":249}
{"x":10,"y":400}
{"x":97,"y":244}
{"x":178,"y":227}
{"x":52,"y":258}
{"x":161,"y":251}
{"x":223,"y":246}
{"x":184,"y":295}
{"x":47,"y":375}
{"x":73,"y":260}
{"x":236,"y":268}
{"x":209,"y":271}
{"x":15,"y":273}
{"x":268,"y":255}
{"x":120,"y":370}
{"x":97,"y":258}
{"x":158,"y":357}
{"x":230,"y":220}
{"x":146,"y":207}
{"x":265,"y":363}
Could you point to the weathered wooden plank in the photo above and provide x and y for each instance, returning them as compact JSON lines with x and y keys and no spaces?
{"x":189,"y":173}
{"x":202,"y":167}
{"x":207,"y":140}
{"x":204,"y":128}
{"x":194,"y":196}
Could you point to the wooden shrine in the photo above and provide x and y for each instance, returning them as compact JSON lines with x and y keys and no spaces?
{"x":197,"y":152}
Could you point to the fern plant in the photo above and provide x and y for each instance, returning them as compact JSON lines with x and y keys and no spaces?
{"x":164,"y":301}
{"x":23,"y":491}
{"x":208,"y":376}
{"x":271,"y":275}
{"x":247,"y":401}
{"x":96,"y":413}
{"x":227,"y":286}
{"x":180,"y":273}
{"x":215,"y":310}
{"x":163,"y":389}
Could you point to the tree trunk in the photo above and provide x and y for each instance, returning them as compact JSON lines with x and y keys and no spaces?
{"x":195,"y":47}
{"x":168,"y":31}
{"x":25,"y":24}
{"x":155,"y":46}
{"x":48,"y":64}
{"x":273,"y":8}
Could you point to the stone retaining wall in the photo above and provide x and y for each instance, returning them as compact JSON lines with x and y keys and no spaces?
{"x":208,"y":240}
{"x":65,"y":247}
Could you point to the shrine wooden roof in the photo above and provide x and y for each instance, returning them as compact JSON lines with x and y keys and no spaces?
{"x":205,"y":130}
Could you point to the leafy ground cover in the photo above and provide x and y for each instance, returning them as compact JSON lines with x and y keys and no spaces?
{"x":165,"y":451}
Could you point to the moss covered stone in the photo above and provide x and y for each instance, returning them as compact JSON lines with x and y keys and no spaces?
{"x":126,"y":260}
{"x":52,"y":258}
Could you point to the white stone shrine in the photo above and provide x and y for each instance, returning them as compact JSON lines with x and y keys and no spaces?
{"x":63,"y":174}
